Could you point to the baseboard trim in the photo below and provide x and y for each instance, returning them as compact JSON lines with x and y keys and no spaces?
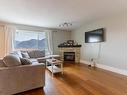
{"x":105,"y":67}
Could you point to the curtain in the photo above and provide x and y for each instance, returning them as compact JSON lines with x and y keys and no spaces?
{"x":49,"y":42}
{"x":8,"y":39}
{"x":1,"y":41}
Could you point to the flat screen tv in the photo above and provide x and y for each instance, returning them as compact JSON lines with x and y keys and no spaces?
{"x":95,"y":36}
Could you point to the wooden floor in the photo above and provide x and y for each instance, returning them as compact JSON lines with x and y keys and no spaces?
{"x":82,"y":80}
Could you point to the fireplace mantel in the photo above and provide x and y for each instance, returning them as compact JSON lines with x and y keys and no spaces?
{"x":70,"y":49}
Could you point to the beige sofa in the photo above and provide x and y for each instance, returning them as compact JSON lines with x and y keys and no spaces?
{"x":33,"y":55}
{"x":21,"y":78}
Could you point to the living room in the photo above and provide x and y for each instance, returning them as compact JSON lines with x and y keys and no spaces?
{"x":87,"y":46}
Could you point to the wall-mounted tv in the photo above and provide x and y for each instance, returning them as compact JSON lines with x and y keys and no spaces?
{"x":95,"y":36}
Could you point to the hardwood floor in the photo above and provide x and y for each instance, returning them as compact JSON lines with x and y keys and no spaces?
{"x":82,"y":80}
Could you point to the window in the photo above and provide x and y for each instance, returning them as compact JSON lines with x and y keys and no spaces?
{"x":29,"y":40}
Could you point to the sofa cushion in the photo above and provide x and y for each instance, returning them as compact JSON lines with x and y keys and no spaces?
{"x":25,"y":61}
{"x":36,"y":53}
{"x":11,"y":60}
{"x":25,"y":55}
{"x":39,"y":53}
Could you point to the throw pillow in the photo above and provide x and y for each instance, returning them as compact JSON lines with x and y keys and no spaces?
{"x":25,"y":61}
{"x":2,"y":64}
{"x":25,"y":55}
{"x":19,"y":54}
{"x":11,"y":60}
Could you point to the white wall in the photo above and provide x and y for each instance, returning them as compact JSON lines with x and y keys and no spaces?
{"x":60,"y":37}
{"x":114,"y":50}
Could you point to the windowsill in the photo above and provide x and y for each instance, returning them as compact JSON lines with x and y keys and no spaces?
{"x":27,"y":49}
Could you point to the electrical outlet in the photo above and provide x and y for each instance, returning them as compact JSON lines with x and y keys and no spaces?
{"x":92,"y":59}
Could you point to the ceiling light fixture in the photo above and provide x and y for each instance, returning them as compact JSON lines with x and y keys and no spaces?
{"x":65,"y":24}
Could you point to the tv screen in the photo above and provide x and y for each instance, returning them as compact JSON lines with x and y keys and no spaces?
{"x":95,"y":36}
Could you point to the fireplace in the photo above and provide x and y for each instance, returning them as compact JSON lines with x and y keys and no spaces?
{"x":70,"y":53}
{"x":69,"y":56}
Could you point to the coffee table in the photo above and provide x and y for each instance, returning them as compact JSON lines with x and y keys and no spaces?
{"x":54,"y":66}
{"x":52,"y":56}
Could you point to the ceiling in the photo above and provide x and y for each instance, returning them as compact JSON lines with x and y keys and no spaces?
{"x":52,"y":13}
